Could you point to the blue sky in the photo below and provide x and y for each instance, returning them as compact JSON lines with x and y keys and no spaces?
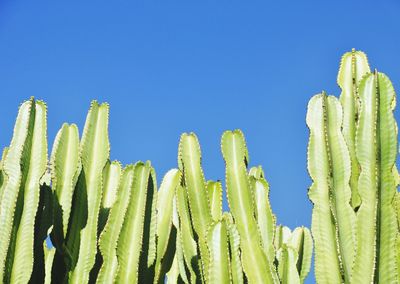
{"x":167,"y":67}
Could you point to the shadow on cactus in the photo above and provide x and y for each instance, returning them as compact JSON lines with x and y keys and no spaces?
{"x":108,"y":223}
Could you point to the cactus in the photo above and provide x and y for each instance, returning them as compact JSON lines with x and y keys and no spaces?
{"x":351,"y":160}
{"x":66,"y":167}
{"x":109,"y":237}
{"x":217,"y":242}
{"x":256,"y":264}
{"x":137,"y":231}
{"x":109,"y":224}
{"x":23,"y":165}
{"x":353,"y":66}
{"x":195,"y":185}
{"x":166,"y":232}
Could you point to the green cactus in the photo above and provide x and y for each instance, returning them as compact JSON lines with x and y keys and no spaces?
{"x":256,"y":264}
{"x":166,"y":232}
{"x":190,"y":164}
{"x":138,"y":230}
{"x":108,"y":239}
{"x":351,"y":160}
{"x":66,"y":167}
{"x":353,"y":66}
{"x":217,"y":242}
{"x":109,"y":224}
{"x":265,"y":218}
{"x":214,"y":189}
{"x":23,"y":166}
{"x":236,"y":268}
{"x":82,"y":239}
{"x":186,"y":236}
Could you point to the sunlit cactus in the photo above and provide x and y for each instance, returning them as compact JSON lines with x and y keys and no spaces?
{"x":351,"y":160}
{"x":78,"y":217}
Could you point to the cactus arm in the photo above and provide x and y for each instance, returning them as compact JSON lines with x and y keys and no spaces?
{"x":340,"y":171}
{"x":217,"y":241}
{"x":387,"y":222}
{"x":150,"y":228}
{"x":164,"y":217}
{"x":327,"y":267}
{"x":353,"y":66}
{"x":301,"y":241}
{"x":257,"y":266}
{"x":94,"y":152}
{"x":34,"y":166}
{"x":132,"y":235}
{"x":65,"y":169}
{"x":282,"y":236}
{"x":366,"y":146}
{"x":234,"y":248}
{"x":12,"y":179}
{"x":111,"y":179}
{"x":287,"y":258}
{"x":186,"y":236}
{"x":214,"y":189}
{"x":109,"y":237}
{"x":190,"y":156}
{"x":65,"y":260}
{"x":265,"y":218}
{"x":190,"y":163}
{"x":376,"y":150}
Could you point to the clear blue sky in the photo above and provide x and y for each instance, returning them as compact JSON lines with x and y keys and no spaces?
{"x":167,"y":67}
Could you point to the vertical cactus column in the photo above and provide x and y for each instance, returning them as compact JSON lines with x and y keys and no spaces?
{"x":23,"y":166}
{"x":190,"y":165}
{"x":186,"y":236}
{"x":65,"y":169}
{"x":256,"y":264}
{"x":214,"y":189}
{"x":265,"y":218}
{"x":110,"y":182}
{"x":217,"y":242}
{"x":166,"y":232}
{"x":136,"y":243}
{"x":376,"y":149}
{"x":82,"y":238}
{"x":330,"y":169}
{"x":178,"y":272}
{"x":236,"y":266}
{"x":353,"y":66}
{"x":108,"y":239}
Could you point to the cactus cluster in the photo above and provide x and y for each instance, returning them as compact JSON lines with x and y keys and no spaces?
{"x":351,"y":159}
{"x":77,"y":217}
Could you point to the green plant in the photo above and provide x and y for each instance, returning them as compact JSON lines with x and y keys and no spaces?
{"x":109,"y":223}
{"x":351,"y":160}
{"x":243,"y":237}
